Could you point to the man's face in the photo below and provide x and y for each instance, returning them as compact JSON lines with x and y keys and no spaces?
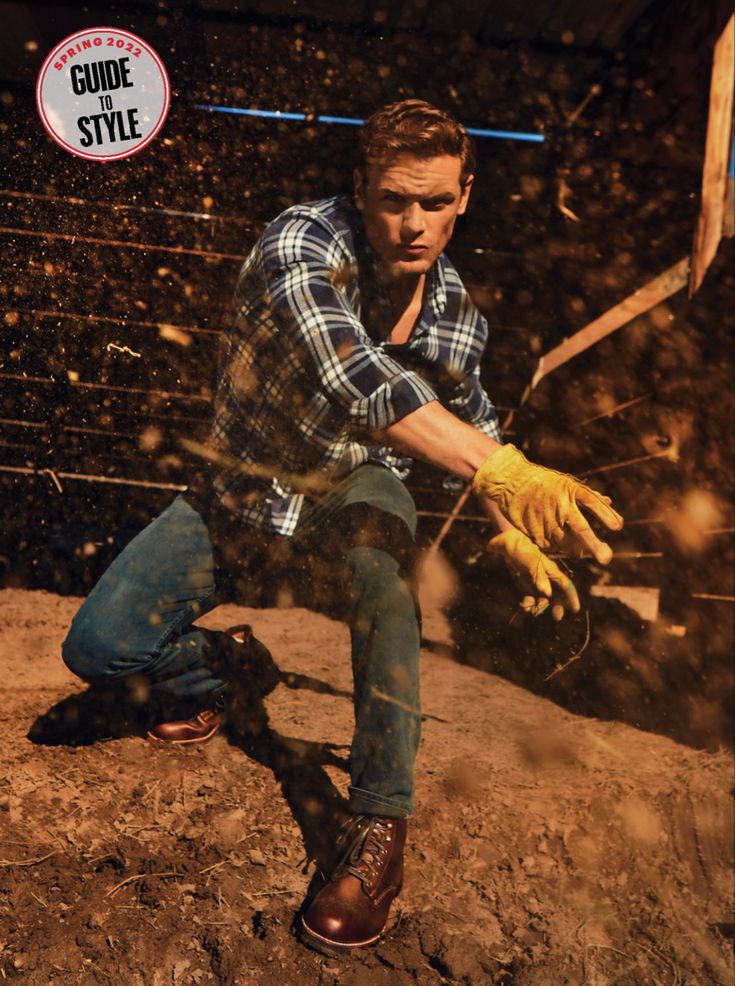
{"x":409,"y":206}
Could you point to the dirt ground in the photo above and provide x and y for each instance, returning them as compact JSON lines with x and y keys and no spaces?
{"x":547,"y":848}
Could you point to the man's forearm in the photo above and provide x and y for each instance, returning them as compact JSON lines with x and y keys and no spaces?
{"x":435,"y":435}
{"x":541,"y":503}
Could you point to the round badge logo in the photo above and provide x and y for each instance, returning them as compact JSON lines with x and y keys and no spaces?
{"x":103,"y":93}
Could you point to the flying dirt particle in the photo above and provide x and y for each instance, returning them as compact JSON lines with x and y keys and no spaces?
{"x":640,"y":821}
{"x":461,"y":781}
{"x":11,"y":318}
{"x":312,"y":807}
{"x":546,"y":748}
{"x":284,"y":597}
{"x":343,"y":276}
{"x":121,"y":349}
{"x":138,"y":689}
{"x":173,"y":334}
{"x":150,"y":439}
{"x":438,"y":581}
{"x":698,"y":513}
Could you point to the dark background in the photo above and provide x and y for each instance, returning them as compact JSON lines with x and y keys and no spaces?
{"x":143,"y":253}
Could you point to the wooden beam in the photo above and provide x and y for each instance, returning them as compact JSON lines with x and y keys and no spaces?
{"x":647,"y":297}
{"x":717,"y":149}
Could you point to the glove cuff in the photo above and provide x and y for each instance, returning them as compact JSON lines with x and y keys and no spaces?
{"x":498,"y":473}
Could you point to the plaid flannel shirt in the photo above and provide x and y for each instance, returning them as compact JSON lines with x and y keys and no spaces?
{"x":307,"y":368}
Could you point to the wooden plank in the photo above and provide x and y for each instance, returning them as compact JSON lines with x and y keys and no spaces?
{"x":647,"y":297}
{"x":717,"y":150}
{"x":644,"y":600}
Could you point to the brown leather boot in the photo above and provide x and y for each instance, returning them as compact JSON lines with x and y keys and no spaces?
{"x":251,"y":672}
{"x":352,"y":910}
{"x":198,"y":729}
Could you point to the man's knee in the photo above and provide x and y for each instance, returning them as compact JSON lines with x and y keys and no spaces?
{"x":90,"y":650}
{"x":380,"y":513}
{"x":383,"y":491}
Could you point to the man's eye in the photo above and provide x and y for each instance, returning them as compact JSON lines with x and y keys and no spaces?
{"x":433,"y":206}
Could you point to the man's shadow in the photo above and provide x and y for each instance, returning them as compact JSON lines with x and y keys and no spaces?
{"x":100,"y":714}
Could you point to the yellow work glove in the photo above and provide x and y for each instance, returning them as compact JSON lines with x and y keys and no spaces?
{"x":536,"y":574}
{"x":541,"y":502}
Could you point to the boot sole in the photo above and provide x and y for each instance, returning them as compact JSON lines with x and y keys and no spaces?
{"x":331,"y":948}
{"x":183,"y":742}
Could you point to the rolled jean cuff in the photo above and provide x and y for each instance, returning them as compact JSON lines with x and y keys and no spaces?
{"x":367,"y":803}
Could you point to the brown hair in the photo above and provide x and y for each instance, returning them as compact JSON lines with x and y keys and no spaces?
{"x":416,"y":127}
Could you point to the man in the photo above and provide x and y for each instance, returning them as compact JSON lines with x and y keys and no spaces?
{"x":354,"y":347}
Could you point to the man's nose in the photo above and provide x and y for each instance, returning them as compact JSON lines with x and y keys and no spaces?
{"x":413,"y":222}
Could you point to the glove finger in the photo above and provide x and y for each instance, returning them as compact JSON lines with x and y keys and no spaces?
{"x":603,"y":511}
{"x":541,"y":606}
{"x":531,"y":524}
{"x":601,"y":552}
{"x":557,"y":612}
{"x":562,"y":585}
{"x":527,"y":603}
{"x":540,"y":577}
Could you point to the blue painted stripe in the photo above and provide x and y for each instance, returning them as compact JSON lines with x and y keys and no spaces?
{"x":270,"y":114}
{"x":353,"y":121}
{"x":507,"y":135}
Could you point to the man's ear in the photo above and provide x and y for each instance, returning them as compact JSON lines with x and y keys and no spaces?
{"x":359,"y":180}
{"x":465,"y":196}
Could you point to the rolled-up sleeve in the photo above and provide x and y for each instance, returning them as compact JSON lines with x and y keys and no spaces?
{"x":471,"y":403}
{"x":305,"y":280}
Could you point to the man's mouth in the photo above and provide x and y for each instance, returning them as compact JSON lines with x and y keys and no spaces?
{"x":415,"y":249}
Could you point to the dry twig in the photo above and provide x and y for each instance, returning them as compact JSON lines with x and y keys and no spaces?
{"x":28,"y":862}
{"x":575,"y":657}
{"x":137,"y":876}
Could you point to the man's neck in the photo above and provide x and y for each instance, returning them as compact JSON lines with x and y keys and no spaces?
{"x":406,"y":296}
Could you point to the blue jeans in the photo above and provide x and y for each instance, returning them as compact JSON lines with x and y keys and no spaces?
{"x":136,"y":624}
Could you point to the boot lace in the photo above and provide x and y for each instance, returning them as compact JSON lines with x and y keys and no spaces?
{"x":370,"y":847}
